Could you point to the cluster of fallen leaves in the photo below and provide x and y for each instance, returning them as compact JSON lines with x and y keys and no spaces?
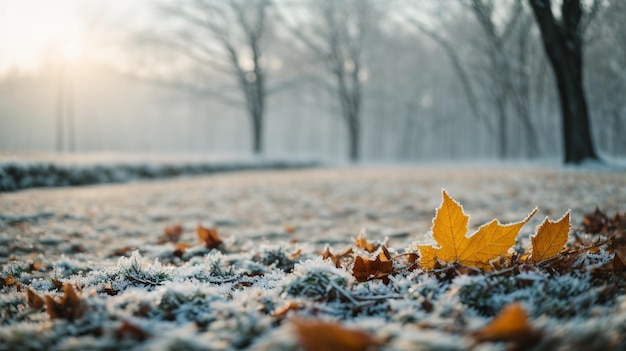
{"x":489,"y":250}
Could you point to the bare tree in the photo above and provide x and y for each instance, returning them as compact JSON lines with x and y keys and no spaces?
{"x":227,"y":36}
{"x":64,"y":109}
{"x":336,"y":35}
{"x":457,"y":64}
{"x":605,"y":81}
{"x":563,"y":43}
{"x":503,"y":74}
{"x":504,"y":79}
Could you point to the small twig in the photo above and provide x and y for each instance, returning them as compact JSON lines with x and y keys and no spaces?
{"x":142,"y":281}
{"x":343,"y":292}
{"x":222,"y":280}
{"x":376,"y":298}
{"x":502,"y":271}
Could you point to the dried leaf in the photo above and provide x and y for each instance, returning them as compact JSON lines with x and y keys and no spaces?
{"x":35,"y":266}
{"x":365,"y":269}
{"x":208,"y":237}
{"x":57,"y":283}
{"x":327,"y":255}
{"x":289,"y":229}
{"x":327,"y":336}
{"x":595,"y":222}
{"x":171,"y":233}
{"x":123,"y":251}
{"x":180,"y":249}
{"x":70,"y":306}
{"x":362,"y":243}
{"x":491,"y":241}
{"x":509,"y":325}
{"x":10,"y":280}
{"x":127,"y":330}
{"x":282,"y":311}
{"x":295,"y":255}
{"x":384,"y":254}
{"x":34,"y":301}
{"x":550,"y":239}
{"x":109,"y":290}
{"x":336,"y":259}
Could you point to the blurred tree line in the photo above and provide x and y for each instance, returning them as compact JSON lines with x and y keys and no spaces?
{"x":397,"y":80}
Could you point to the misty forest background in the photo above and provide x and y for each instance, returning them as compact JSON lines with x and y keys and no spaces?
{"x":330,"y":79}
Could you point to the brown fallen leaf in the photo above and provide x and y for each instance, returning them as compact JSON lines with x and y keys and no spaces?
{"x":123,"y":251}
{"x":35,"y":266}
{"x":282,"y":311}
{"x":550,"y":239}
{"x":10,"y":280}
{"x":595,"y":222}
{"x":289,"y":229}
{"x":57,"y":284}
{"x":365,"y":269}
{"x":295,"y":255}
{"x":315,"y":335}
{"x":127,"y":330}
{"x":362,"y":243}
{"x":449,"y":229}
{"x":509,"y":325}
{"x":384,"y":254}
{"x":33,"y":299}
{"x":208,"y":237}
{"x":335,"y":259}
{"x":180,"y":249}
{"x":171,"y":233}
{"x":69,"y":306}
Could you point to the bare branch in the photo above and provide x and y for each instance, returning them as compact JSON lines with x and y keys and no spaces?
{"x":456,"y":61}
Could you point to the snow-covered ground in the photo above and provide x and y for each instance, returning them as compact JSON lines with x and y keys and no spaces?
{"x":139,"y":290}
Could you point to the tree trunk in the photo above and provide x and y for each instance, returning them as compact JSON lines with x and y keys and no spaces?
{"x":257,"y":132}
{"x":576,"y":131}
{"x":503,"y":127}
{"x":60,"y":109}
{"x":563,"y":45}
{"x":354,"y":135}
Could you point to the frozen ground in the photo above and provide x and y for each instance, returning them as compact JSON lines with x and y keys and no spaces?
{"x":226,"y":298}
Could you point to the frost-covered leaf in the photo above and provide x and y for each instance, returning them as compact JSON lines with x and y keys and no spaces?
{"x":362,"y":243}
{"x":10,"y":280}
{"x":208,"y":236}
{"x":365,"y":269}
{"x":335,"y":259}
{"x":491,"y":241}
{"x":171,"y":233}
{"x":33,"y":299}
{"x":550,"y":239}
{"x":70,"y":306}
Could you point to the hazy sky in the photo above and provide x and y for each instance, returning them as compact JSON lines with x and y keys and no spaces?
{"x":31,"y":30}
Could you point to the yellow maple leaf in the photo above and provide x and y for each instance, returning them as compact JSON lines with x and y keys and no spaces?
{"x":490,"y":241}
{"x":550,"y":239}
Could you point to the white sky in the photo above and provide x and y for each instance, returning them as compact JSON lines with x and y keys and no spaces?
{"x":30,"y":30}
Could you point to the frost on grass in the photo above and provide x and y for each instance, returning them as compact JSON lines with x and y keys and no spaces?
{"x":229,"y":301}
{"x":251,"y":297}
